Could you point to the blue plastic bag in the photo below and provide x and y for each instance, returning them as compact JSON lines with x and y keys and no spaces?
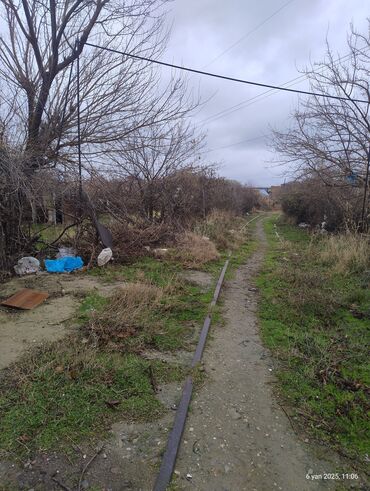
{"x":63,"y":265}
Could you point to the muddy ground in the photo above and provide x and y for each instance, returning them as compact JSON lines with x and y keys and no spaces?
{"x":237,"y":435}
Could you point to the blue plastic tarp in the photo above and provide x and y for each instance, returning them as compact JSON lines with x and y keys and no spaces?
{"x":63,"y":265}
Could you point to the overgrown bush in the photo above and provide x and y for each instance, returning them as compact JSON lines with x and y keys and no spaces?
{"x":312,"y":202}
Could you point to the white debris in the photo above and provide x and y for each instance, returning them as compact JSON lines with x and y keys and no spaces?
{"x":105,"y":256}
{"x":160,"y":252}
{"x":27,"y":265}
{"x":66,"y":252}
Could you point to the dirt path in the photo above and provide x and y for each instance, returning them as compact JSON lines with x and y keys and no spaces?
{"x":237,"y":437}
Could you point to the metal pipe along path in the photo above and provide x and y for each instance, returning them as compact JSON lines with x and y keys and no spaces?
{"x":174,"y":440}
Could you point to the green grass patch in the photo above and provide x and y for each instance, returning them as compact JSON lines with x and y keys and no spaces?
{"x":166,"y":323}
{"x":75,"y":389}
{"x":316,"y":322}
{"x":70,"y":391}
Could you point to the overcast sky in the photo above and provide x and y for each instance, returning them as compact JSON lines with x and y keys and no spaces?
{"x":202,"y":30}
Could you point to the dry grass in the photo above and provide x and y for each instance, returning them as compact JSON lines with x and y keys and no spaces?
{"x":346,"y":253}
{"x":193,"y":251}
{"x":127,"y":314}
{"x":224,"y":229}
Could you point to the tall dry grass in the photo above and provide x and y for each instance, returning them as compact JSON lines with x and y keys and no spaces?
{"x":193,"y":251}
{"x":346,"y":253}
{"x":226,"y":230}
{"x":128,"y":313}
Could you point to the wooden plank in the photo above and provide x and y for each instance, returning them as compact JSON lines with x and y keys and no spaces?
{"x":25,"y":299}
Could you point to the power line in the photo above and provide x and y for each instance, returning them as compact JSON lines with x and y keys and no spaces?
{"x":224,"y":77}
{"x":249,"y":33}
{"x":236,"y":143}
{"x":241,"y":105}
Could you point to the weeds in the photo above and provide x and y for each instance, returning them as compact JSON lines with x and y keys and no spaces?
{"x":224,"y":229}
{"x":75,"y":391}
{"x":194,"y":251}
{"x":128,"y":320}
{"x":346,"y":253}
{"x":78,"y":387}
{"x":316,"y":322}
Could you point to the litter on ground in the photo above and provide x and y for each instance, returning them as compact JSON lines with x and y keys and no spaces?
{"x":25,"y":299}
{"x":63,"y":264}
{"x":27,"y":265}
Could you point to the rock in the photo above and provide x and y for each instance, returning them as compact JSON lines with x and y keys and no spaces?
{"x":234,"y":414}
{"x":85,"y":484}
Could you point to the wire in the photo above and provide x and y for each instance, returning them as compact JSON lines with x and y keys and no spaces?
{"x":241,"y":105}
{"x":236,"y":143}
{"x":225,"y":77}
{"x":249,"y":33}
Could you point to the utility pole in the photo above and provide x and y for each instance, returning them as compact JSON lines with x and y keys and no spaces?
{"x":79,"y":132}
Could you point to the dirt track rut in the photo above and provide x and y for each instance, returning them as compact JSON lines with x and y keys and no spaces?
{"x":237,"y":437}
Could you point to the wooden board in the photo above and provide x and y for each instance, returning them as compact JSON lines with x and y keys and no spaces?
{"x":25,"y":299}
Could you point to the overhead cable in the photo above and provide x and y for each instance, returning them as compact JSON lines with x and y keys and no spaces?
{"x":225,"y":77}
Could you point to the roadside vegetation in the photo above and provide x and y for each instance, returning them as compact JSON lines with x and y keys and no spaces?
{"x":315,"y":317}
{"x":72,"y":390}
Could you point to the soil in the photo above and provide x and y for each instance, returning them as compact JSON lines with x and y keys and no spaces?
{"x":200,"y":278}
{"x":21,"y":329}
{"x":237,"y":436}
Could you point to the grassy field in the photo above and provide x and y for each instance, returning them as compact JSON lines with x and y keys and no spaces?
{"x":315,"y":317}
{"x":74,"y":389}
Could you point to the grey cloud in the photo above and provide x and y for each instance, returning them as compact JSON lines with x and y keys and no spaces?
{"x":202,"y":29}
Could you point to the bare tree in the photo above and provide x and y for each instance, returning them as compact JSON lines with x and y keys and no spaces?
{"x":330,"y":139}
{"x":118,"y":95}
{"x":151,"y":155}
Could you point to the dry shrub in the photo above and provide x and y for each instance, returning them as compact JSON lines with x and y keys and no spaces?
{"x":129,"y":241}
{"x":127,"y":314}
{"x":346,"y":253}
{"x":194,"y":251}
{"x":133,"y":240}
{"x":224,"y":229}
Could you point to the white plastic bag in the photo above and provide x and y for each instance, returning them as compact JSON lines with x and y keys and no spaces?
{"x":105,"y":256}
{"x":27,"y":265}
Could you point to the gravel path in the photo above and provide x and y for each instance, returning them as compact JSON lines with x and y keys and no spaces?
{"x":237,"y":437}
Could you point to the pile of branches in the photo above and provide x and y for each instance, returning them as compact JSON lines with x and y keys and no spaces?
{"x":130,"y":241}
{"x":15,"y":195}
